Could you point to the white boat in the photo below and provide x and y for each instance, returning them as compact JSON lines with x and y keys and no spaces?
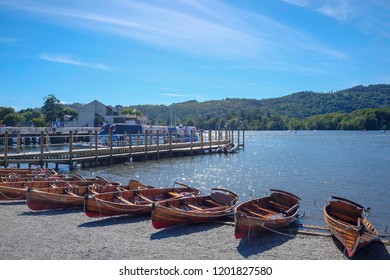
{"x":227,"y":148}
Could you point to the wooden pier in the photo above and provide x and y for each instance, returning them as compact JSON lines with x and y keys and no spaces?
{"x":79,"y":148}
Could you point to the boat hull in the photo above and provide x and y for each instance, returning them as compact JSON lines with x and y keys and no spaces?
{"x":245,"y":225}
{"x":346,"y":222}
{"x":99,"y":208}
{"x":134,"y":202}
{"x":11,"y":193}
{"x":193,"y":210}
{"x":71,"y":196}
{"x":269,"y":213}
{"x":16,"y":190}
{"x":165,"y":217}
{"x":41,"y":200}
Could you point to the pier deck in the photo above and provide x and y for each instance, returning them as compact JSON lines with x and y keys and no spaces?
{"x":48,"y":150}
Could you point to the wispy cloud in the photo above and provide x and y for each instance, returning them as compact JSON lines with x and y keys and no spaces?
{"x":369,"y":16}
{"x":301,"y":3}
{"x":174,"y":95}
{"x":339,"y":10}
{"x":66,"y":59}
{"x":213,"y":29}
{"x":8,"y":40}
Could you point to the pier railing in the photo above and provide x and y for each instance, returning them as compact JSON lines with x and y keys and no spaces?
{"x":80,"y":147}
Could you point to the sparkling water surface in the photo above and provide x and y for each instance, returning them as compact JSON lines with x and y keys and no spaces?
{"x":312,"y":164}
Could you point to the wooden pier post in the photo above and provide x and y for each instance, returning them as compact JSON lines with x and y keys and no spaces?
{"x":158,"y":144}
{"x":170,"y":143}
{"x":70,"y":149}
{"x":243,"y":138}
{"x":6,"y":137}
{"x":110,"y":143}
{"x":41,"y":140}
{"x":96,"y":147}
{"x":18,"y":142}
{"x":47,"y":139}
{"x":238,"y":138}
{"x":201,"y":141}
{"x":90,"y":138}
{"x":146,"y":144}
{"x":130,"y":149}
{"x":192,"y":142}
{"x":210,"y":141}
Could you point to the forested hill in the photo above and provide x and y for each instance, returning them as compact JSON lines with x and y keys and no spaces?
{"x":298,"y":105}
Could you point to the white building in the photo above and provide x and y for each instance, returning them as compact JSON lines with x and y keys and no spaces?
{"x":95,"y":114}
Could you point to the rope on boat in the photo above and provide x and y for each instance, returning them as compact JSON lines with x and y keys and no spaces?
{"x":101,"y":202}
{"x":12,"y":198}
{"x":267,"y":228}
{"x":53,"y":199}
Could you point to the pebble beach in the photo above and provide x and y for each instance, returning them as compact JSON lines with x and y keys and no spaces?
{"x":71,"y":235}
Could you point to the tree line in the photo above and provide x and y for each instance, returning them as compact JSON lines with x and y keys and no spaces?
{"x":51,"y":110}
{"x":357,"y":108}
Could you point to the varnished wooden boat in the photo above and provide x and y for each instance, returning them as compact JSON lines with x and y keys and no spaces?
{"x":272,"y":212}
{"x":347,"y":222}
{"x":25,"y":171}
{"x":16,"y":190}
{"x":132,"y":202}
{"x":16,"y":174}
{"x":220,"y":203}
{"x":72,"y":195}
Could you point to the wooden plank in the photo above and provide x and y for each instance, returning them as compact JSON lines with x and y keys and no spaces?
{"x":254,"y":213}
{"x":214,"y":203}
{"x":193,"y":206}
{"x":71,"y":193}
{"x":121,"y":198}
{"x":145,"y":198}
{"x":263,"y":209}
{"x":278,"y":205}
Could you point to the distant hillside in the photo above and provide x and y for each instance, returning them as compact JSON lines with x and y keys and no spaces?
{"x":298,"y":105}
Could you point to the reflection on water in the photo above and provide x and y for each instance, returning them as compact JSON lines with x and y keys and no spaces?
{"x":312,"y":164}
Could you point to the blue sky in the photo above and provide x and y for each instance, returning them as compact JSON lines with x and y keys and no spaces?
{"x":169,"y":51}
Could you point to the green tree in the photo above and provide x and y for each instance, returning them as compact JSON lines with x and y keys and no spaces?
{"x":4,"y":111}
{"x":131,"y":111}
{"x":29,"y":115}
{"x":12,"y":119}
{"x":70,"y":112}
{"x":52,"y":108}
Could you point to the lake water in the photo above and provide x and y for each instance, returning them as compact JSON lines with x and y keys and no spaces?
{"x":312,"y":164}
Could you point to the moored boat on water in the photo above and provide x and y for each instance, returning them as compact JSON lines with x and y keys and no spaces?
{"x":272,"y":212}
{"x":133,"y":201}
{"x":220,"y":203}
{"x":228,"y":148}
{"x":347,"y":221}
{"x":72,"y":196}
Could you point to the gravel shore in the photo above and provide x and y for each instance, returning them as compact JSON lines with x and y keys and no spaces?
{"x":70,"y":235}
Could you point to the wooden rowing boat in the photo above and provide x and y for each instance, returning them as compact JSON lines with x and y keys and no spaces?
{"x":72,"y":195}
{"x":133,"y":201}
{"x":272,"y":212}
{"x":16,"y":190}
{"x":220,"y":203}
{"x":15,"y":174}
{"x":25,"y":171}
{"x":347,"y":221}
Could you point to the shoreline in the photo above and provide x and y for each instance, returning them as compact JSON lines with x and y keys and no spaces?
{"x":71,"y":235}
